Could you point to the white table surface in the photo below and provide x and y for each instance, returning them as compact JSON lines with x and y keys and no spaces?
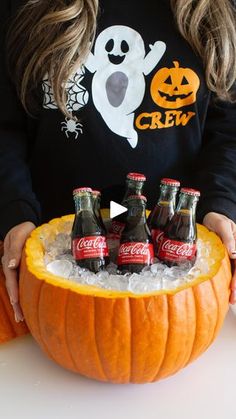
{"x":31,"y":386}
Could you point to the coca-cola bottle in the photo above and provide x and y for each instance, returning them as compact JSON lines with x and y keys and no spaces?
{"x":178,"y":244}
{"x":96,"y":206}
{"x":134,"y":186}
{"x":89,"y":245}
{"x":136,"y":248}
{"x":163,"y":211}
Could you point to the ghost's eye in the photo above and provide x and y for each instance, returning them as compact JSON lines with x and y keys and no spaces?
{"x":124,"y":47}
{"x":109,"y":45}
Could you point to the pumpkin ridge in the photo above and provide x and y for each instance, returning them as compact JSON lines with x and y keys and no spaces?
{"x":157,"y":368}
{"x":65,"y":331}
{"x":9,"y":325}
{"x":115,"y":307}
{"x":131,"y":344}
{"x":166,"y":343}
{"x":193,"y":302}
{"x":220,"y":308}
{"x":39,"y":328}
{"x":181,"y":364}
{"x":148,"y":304}
{"x":218,"y":313}
{"x":96,"y":340}
{"x":196,"y":321}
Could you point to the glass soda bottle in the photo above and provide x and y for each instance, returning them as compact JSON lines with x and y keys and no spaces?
{"x":136,"y":248}
{"x":134,"y":186}
{"x":89,"y":245}
{"x":164,"y":210}
{"x":178,"y":244}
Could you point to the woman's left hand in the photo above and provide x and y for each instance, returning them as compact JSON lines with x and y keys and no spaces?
{"x":226,"y":230}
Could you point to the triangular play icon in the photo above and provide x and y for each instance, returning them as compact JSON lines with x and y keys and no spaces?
{"x":116,"y":209}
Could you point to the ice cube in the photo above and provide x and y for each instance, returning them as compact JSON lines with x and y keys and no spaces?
{"x":102,"y":275}
{"x":202,"y":264}
{"x":138,"y":285}
{"x":157,"y":268}
{"x":111,"y":268}
{"x":60,"y":268}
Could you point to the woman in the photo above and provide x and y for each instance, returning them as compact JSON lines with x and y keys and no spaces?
{"x":115,"y":87}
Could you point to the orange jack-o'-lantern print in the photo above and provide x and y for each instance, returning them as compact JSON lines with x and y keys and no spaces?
{"x":175,"y":87}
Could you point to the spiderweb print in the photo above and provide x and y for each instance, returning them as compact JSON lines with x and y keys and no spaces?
{"x":77,"y":97}
{"x":48,"y":101}
{"x":77,"y":94}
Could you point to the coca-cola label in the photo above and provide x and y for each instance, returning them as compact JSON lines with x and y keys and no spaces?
{"x":89,"y":247}
{"x":172,"y":250}
{"x":135,"y":252}
{"x":157,"y":236}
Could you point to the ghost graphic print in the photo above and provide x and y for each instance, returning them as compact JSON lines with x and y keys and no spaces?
{"x":119,"y":64}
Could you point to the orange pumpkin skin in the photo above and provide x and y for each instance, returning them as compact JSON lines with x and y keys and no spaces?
{"x":126,"y":339}
{"x":9,"y":329}
{"x":168,"y":90}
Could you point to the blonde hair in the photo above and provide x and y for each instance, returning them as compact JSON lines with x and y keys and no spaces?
{"x":52,"y":36}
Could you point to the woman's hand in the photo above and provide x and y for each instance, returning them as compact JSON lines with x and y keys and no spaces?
{"x":13,"y":246}
{"x":226,"y":230}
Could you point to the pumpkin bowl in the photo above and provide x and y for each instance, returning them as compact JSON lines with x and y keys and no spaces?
{"x":118,"y":336}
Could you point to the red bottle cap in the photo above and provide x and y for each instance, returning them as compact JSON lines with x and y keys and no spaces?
{"x":136,"y":176}
{"x":190,"y":191}
{"x":79,"y":190}
{"x":171,"y":182}
{"x":141,"y":197}
{"x":95,"y":192}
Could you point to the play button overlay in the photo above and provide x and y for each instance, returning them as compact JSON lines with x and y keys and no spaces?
{"x":116,"y":209}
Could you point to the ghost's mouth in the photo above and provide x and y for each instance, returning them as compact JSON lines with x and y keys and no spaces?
{"x":116,"y":59}
{"x":174,"y":97}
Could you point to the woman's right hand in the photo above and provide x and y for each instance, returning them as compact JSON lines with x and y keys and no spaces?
{"x":13,"y":246}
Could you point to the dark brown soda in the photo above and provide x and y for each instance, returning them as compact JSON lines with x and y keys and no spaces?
{"x":178,"y":244}
{"x":136,"y":233}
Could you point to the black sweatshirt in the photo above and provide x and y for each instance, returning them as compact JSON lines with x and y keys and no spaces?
{"x":142,"y":106}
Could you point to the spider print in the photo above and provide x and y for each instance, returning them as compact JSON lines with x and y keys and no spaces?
{"x":72,"y":126}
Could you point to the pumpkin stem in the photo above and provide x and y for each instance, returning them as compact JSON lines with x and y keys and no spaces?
{"x":176,"y":64}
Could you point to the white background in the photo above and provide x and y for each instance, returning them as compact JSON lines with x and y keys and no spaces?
{"x":33,"y":387}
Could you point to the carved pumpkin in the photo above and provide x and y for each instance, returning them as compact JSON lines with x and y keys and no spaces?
{"x":118,"y":336}
{"x":173,"y":88}
{"x":9,"y":329}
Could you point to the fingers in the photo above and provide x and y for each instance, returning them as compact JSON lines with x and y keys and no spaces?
{"x":13,"y":246}
{"x":11,"y":261}
{"x":232,"y":298}
{"x":12,"y":289}
{"x":225,"y":229}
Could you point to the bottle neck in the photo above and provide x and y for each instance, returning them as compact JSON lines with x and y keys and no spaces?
{"x":168,"y":195}
{"x":83,"y":202}
{"x":96,"y":202}
{"x":133,"y":187}
{"x":187,"y":205}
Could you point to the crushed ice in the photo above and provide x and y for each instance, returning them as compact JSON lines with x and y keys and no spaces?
{"x":59,"y":261}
